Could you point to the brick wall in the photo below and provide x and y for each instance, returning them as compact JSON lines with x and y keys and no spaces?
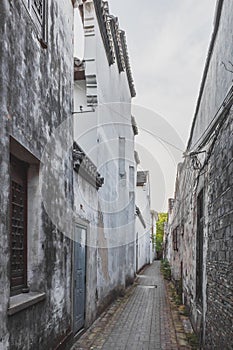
{"x":219,"y":331}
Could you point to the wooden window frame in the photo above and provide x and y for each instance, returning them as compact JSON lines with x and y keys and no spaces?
{"x":175,"y":239}
{"x":18,"y":174}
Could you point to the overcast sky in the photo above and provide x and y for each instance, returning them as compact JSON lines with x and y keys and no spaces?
{"x":168,"y":42}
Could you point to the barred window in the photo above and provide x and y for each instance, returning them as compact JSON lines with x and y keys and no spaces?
{"x":175,"y":239}
{"x":18,"y":226}
{"x":38,"y":12}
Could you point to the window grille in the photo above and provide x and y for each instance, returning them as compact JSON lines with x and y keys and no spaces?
{"x":175,"y":239}
{"x":18,"y":227}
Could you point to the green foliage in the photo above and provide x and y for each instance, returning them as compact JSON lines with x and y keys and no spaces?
{"x":183,"y":310}
{"x":160,"y":223}
{"x":193,"y":340}
{"x":160,"y":233}
{"x":166,"y":269}
{"x":176,"y":298}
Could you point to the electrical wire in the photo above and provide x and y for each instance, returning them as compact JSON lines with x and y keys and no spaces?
{"x":201,"y":172}
{"x":225,"y":105}
{"x":140,"y":127}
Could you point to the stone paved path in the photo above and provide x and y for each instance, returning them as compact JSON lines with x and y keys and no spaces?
{"x":140,"y":320}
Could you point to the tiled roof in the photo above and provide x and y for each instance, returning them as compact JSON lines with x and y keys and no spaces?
{"x":114,"y":41}
{"x":85,"y":167}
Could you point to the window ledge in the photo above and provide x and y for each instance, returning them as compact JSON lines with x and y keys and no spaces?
{"x":24,"y":301}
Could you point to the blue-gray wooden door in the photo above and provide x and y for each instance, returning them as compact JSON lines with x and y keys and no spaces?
{"x":79,"y":277}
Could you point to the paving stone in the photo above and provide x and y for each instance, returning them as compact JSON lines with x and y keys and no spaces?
{"x":140,"y":320}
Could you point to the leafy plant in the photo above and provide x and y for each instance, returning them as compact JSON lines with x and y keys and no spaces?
{"x":163,"y":217}
{"x":166,"y":269}
{"x":193,"y":340}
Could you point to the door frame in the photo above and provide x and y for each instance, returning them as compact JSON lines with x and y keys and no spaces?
{"x":85,"y":225}
{"x":137,"y":252}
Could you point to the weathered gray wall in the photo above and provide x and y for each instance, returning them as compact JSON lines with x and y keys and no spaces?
{"x":184,"y":213}
{"x":219,"y":331}
{"x":35,"y":97}
{"x":218,"y":79}
{"x":212,"y":319}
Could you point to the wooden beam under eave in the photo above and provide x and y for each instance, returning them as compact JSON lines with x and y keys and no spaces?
{"x":79,"y":75}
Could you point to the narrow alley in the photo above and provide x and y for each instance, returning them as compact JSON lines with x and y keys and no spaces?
{"x":141,"y":320}
{"x":116,"y":175}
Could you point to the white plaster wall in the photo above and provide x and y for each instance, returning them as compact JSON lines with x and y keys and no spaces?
{"x":85,"y":124}
{"x":98,"y":134}
{"x":114,"y":121}
{"x":143,"y":247}
{"x":143,"y":234}
{"x":153,"y":232}
{"x":86,"y":203}
{"x":79,"y":40}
